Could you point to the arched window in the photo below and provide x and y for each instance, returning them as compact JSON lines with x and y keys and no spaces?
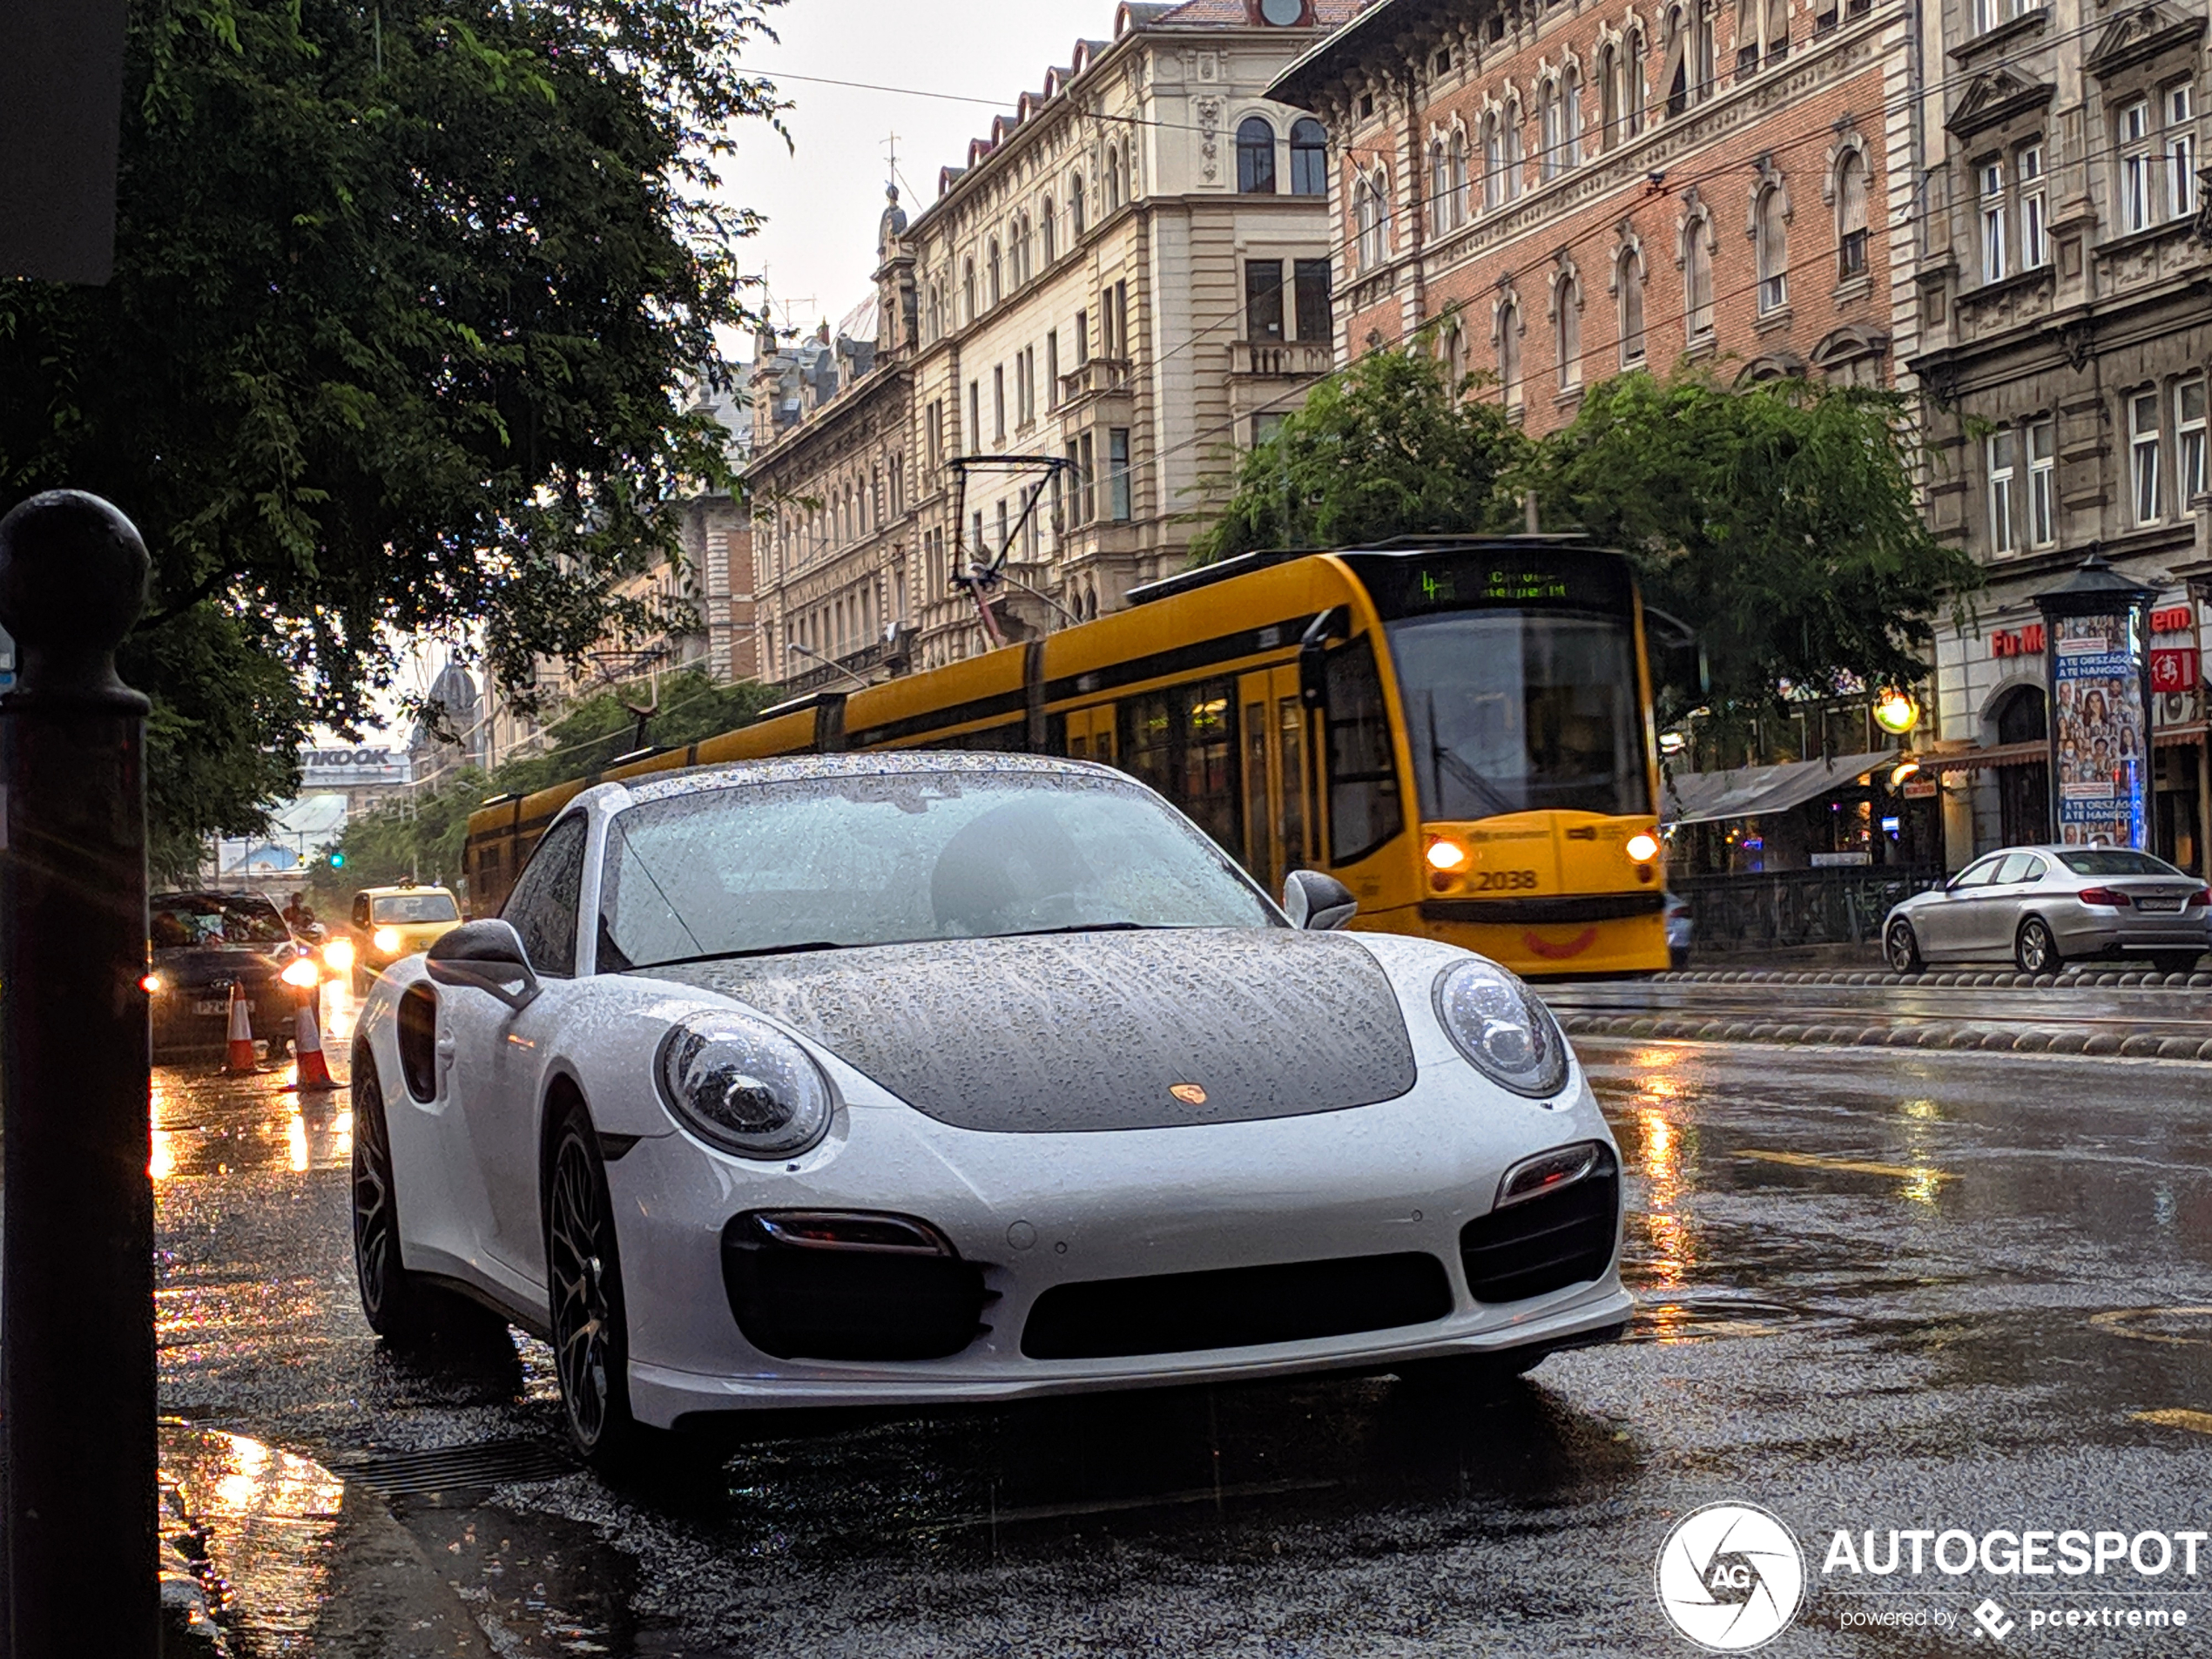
{"x":1697,"y":277}
{"x":1632,"y":84}
{"x":1459,"y":212}
{"x":1370,"y":217}
{"x":1628,"y":287}
{"x":1256,"y":157}
{"x":1439,"y":185}
{"x":1850,"y":215}
{"x":1515,"y":158}
{"x":1456,"y":360}
{"x":1551,"y":137}
{"x":1509,"y":352}
{"x":1685,"y":86}
{"x":1493,"y":163}
{"x":1309,"y":158}
{"x":1609,"y":88}
{"x":1113,"y":177}
{"x":968,"y":289}
{"x":1050,"y":223}
{"x":1572,"y":82}
{"x":1770,"y":233}
{"x":1567,"y":330}
{"x":997,"y":274}
{"x":1025,"y":251}
{"x":1075,"y":209}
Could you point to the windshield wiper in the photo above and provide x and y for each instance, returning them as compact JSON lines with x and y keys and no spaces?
{"x":1086,"y":927}
{"x":735,"y":955}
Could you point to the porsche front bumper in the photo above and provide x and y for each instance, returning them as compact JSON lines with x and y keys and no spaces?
{"x":1394,"y":1183}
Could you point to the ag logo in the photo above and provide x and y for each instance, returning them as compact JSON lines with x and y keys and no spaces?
{"x":1730,"y":1577}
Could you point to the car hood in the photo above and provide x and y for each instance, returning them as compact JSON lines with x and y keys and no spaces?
{"x":1092,"y":1031}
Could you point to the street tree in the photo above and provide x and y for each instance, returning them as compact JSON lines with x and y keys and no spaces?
{"x":405,"y":302}
{"x":1386,"y":447}
{"x":1778,"y":520}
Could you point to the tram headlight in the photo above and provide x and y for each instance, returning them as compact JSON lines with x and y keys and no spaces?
{"x":1446,"y":855}
{"x":1643,"y":846}
{"x":1504,"y":1031}
{"x":386,"y":940}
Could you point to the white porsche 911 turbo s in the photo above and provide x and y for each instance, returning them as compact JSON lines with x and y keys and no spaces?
{"x":904,"y":1078}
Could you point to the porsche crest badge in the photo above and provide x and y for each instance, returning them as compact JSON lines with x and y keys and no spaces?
{"x":1189,"y":1093}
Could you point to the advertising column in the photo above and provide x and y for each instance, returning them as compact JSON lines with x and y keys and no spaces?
{"x":2096,"y":633}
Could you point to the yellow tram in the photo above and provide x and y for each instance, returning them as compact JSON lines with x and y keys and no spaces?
{"x":1458,"y":729}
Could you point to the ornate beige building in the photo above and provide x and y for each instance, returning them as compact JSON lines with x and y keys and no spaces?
{"x":1128,"y":280}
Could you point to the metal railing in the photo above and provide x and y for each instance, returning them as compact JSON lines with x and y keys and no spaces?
{"x":1787,"y":908}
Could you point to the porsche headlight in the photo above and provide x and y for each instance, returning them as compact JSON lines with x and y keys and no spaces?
{"x":1505,"y":1034}
{"x":740,"y":1084}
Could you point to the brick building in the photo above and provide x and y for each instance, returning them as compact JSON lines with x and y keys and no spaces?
{"x":1566,"y":191}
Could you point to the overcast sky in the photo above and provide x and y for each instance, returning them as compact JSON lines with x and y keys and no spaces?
{"x":823,"y":201}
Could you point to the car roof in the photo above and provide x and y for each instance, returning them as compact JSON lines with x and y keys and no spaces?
{"x":404,"y":886}
{"x":228,"y":895}
{"x":880,"y":763}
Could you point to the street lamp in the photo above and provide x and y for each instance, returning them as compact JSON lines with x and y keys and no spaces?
{"x":1896,"y":711}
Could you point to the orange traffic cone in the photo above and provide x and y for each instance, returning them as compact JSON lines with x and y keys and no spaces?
{"x":311,"y":1072}
{"x":240,"y":1058}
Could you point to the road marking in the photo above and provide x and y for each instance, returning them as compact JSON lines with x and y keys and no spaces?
{"x":1851,"y":1166}
{"x":2120,"y":1323}
{"x":2196,"y":1422}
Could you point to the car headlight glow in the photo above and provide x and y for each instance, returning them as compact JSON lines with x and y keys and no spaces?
{"x":386,"y":940}
{"x":1643,"y":846}
{"x":740,"y":1084}
{"x":338,"y":955}
{"x":1505,"y":1032}
{"x":301,"y":973}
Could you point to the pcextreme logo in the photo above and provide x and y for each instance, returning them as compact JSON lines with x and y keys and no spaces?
{"x":1730,"y":1577}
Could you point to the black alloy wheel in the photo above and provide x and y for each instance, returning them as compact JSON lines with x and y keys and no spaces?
{"x":584,"y":1282}
{"x":399,"y":1307}
{"x":2035,"y":950}
{"x":1901,"y":948}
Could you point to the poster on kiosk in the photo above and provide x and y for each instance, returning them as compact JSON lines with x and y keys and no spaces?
{"x":2096,"y":634}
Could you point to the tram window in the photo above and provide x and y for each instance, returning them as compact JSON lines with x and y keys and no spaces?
{"x":1259,"y":858}
{"x":1182,"y":741}
{"x":1365,"y":810}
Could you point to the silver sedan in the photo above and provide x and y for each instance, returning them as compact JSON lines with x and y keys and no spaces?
{"x":2041,"y":906}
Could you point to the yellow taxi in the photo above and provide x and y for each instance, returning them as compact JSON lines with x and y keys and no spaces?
{"x":388,"y":924}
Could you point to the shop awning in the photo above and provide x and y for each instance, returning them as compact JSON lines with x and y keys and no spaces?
{"x":1748,"y":791}
{"x":2001,"y":754}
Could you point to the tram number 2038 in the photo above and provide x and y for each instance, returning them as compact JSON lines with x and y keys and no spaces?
{"x":1504,"y":881}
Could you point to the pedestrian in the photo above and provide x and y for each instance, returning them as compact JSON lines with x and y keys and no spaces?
{"x":297,"y":916}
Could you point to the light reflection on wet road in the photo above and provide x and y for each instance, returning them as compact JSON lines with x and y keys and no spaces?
{"x":1878,"y":1290}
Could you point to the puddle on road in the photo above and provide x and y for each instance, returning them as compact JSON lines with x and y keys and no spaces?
{"x":206,"y":1125}
{"x":271,"y":1518}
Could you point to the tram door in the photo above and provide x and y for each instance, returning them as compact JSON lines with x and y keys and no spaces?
{"x":1090,"y":733}
{"x":1273,"y":730}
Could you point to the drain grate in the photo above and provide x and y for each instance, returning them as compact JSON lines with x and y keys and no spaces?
{"x":457,"y":1468}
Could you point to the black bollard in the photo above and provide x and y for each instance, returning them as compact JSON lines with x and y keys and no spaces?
{"x":77,"y":1359}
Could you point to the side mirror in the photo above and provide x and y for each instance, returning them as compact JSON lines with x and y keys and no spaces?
{"x":488,"y":956}
{"x":1314,"y":659}
{"x":1317,"y":903}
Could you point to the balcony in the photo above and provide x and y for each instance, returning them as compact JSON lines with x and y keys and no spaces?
{"x":1096,"y":378}
{"x":1280,"y":360}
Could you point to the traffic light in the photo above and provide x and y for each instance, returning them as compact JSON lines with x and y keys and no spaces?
{"x":337,"y":860}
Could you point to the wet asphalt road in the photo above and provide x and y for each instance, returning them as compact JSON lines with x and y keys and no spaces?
{"x":2180,"y":1012}
{"x":1879,"y":1290}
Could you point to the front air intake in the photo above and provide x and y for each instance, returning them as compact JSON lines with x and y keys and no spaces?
{"x":1548,"y":1242}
